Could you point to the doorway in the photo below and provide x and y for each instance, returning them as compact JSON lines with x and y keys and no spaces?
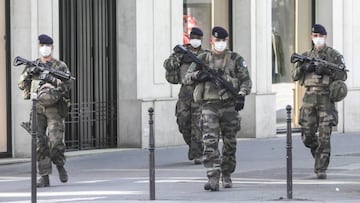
{"x":88,"y":47}
{"x":289,"y":32}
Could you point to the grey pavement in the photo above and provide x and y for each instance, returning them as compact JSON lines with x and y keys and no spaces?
{"x":122,"y":175}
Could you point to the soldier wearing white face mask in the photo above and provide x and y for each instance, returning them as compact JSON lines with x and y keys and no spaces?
{"x":187,"y":111}
{"x":318,"y":114}
{"x":219,"y":113}
{"x":51,"y":110}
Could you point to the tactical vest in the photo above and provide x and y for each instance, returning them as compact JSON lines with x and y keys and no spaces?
{"x":36,"y":83}
{"x":225,"y":64}
{"x":314,"y":80}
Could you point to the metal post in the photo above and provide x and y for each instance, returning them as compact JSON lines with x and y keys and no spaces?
{"x":33,"y":147}
{"x":289,"y":153}
{"x":151,"y":155}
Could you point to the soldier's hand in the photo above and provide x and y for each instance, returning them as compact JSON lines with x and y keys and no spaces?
{"x":34,"y":70}
{"x":307,"y":67}
{"x":322,"y":70}
{"x":202,"y":76}
{"x":47,"y":78}
{"x":173,"y":63}
{"x":239,"y":102}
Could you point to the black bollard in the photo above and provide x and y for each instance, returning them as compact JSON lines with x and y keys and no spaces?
{"x":33,"y":147}
{"x":151,"y":155}
{"x":289,"y":154}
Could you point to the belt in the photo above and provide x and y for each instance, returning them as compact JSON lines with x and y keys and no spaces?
{"x":314,"y":88}
{"x":43,"y":109}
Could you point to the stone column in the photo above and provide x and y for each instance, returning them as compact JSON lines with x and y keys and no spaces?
{"x":346,"y":29}
{"x":252,"y":40}
{"x":29,"y":18}
{"x":145,"y":39}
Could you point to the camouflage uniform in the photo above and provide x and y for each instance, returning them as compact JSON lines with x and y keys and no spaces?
{"x":219,"y":117}
{"x":318,"y":112}
{"x":50,"y":117}
{"x":187,"y":111}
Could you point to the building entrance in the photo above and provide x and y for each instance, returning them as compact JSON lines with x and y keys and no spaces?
{"x":88,"y":46}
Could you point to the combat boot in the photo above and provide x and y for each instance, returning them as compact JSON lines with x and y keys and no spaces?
{"x":226,"y":181}
{"x":190,"y":155}
{"x":212,"y":184}
{"x":321,"y":175}
{"x":197,"y":161}
{"x":43,"y":181}
{"x":62,"y":174}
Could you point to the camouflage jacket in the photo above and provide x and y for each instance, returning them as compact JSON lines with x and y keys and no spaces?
{"x":31,"y":83}
{"x":232,"y":67}
{"x":176,"y":67}
{"x":310,"y":79}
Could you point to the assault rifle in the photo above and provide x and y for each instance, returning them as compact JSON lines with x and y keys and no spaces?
{"x":316,"y":61}
{"x":40,"y":67}
{"x":215,"y":77}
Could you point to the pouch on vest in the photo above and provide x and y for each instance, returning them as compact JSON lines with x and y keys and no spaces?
{"x":48,"y":95}
{"x":64,"y":107}
{"x":199,"y":92}
{"x":172,"y":77}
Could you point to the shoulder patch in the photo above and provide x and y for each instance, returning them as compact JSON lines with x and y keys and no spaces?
{"x":244,"y":64}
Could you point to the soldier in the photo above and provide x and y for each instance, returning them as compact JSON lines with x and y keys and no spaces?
{"x":51,"y":110}
{"x":318,"y":113}
{"x":219,"y":116}
{"x":187,"y":111}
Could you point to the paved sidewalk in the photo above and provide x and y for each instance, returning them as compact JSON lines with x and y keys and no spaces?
{"x":122,"y":175}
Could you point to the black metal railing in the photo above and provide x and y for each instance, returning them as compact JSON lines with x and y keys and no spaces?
{"x":91,"y":125}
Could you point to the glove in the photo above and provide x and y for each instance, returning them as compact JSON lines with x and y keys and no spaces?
{"x":203,"y":76}
{"x":322,"y":70}
{"x":239,"y":102}
{"x":47,"y":78}
{"x":307,"y":67}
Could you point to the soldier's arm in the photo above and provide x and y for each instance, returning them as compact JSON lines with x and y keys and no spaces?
{"x":65,"y":85}
{"x":243,"y":75}
{"x":339,"y":60}
{"x":25,"y":79}
{"x":296,"y":73}
{"x":173,"y":62}
{"x":193,"y":70}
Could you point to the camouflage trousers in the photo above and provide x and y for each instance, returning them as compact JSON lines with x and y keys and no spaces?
{"x":188,"y":114}
{"x":318,"y":114}
{"x":50,"y":139}
{"x":219,"y":119}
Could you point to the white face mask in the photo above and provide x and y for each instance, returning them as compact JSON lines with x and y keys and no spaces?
{"x":318,"y":41}
{"x":45,"y":51}
{"x":195,"y":42}
{"x":220,"y":46}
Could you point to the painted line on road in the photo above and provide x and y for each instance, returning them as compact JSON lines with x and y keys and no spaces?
{"x":255,"y":181}
{"x":87,"y":199}
{"x":69,"y":193}
{"x":12,"y":178}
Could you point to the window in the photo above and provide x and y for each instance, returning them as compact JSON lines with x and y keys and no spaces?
{"x":205,"y":14}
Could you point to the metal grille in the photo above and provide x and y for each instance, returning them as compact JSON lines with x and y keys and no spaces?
{"x":88,"y":46}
